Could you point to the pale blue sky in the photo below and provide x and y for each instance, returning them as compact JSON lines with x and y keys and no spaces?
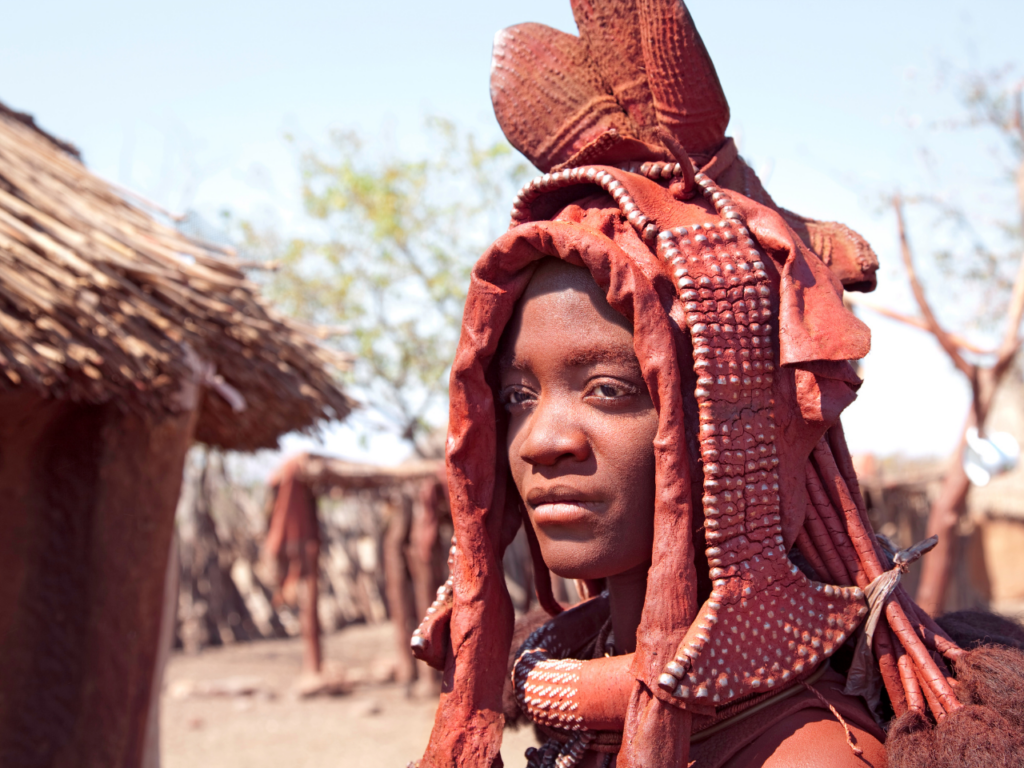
{"x":187,"y":102}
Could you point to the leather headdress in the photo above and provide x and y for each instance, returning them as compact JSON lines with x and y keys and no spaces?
{"x":638,"y":85}
{"x":744,"y":344}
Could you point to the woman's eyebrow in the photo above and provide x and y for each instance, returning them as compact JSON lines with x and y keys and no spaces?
{"x":507,"y":359}
{"x":584,"y":357}
{"x":578,"y":359}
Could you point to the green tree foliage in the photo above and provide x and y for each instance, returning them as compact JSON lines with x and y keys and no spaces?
{"x":388,"y":261}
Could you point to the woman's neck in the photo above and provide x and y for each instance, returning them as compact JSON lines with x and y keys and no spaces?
{"x":626,"y":593}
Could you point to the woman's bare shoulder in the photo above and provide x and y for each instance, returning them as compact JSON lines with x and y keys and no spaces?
{"x":810,"y":738}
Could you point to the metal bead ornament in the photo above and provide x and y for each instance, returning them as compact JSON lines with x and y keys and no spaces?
{"x":600,"y":177}
{"x":436,"y":611}
{"x":765,"y":622}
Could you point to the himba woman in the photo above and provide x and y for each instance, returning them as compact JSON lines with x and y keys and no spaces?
{"x":649,"y":380}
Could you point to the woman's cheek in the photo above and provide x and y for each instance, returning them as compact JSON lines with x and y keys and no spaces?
{"x":513,"y":442}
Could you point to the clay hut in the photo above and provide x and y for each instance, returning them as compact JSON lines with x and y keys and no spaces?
{"x":121,"y":343}
{"x":995,"y":519}
{"x":410,"y":506}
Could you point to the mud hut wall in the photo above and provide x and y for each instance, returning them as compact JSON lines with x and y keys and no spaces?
{"x":1002,"y":544}
{"x":45,"y":492}
{"x":997,"y":509}
{"x":139,"y":481}
{"x":1004,"y":495}
{"x":89,"y":493}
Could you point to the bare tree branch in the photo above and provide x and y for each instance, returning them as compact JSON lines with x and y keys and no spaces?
{"x":1018,"y":111}
{"x":915,"y":322}
{"x":1011,"y":336}
{"x":933,"y":326}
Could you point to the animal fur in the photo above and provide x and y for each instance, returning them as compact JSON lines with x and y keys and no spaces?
{"x":989,"y":730}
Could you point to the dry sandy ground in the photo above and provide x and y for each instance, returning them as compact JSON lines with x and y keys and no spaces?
{"x":235,"y":707}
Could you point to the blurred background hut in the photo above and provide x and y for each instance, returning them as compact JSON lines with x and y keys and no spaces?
{"x":121,"y":343}
{"x":380,"y":536}
{"x":987,"y":572}
{"x":996,"y":512}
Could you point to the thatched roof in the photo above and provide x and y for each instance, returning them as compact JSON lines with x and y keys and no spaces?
{"x":100,"y":301}
{"x":323,"y":473}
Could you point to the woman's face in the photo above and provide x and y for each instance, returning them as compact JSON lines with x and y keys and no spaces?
{"x":581,"y":426}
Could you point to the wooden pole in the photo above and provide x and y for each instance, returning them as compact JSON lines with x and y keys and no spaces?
{"x":943,"y":521}
{"x":397,"y":583}
{"x":309,"y":616}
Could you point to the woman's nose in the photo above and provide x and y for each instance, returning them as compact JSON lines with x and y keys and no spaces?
{"x":553,"y":433}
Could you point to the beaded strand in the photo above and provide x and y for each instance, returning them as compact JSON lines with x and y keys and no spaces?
{"x":443,"y":601}
{"x":550,"y":182}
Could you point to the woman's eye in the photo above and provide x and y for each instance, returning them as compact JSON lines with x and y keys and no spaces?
{"x":515,"y":396}
{"x":611,"y":391}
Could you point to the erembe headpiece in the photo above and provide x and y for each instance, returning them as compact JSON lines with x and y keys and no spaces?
{"x":695,"y":254}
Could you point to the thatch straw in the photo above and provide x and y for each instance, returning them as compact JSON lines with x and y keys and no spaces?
{"x":324,"y":473}
{"x":100,"y":301}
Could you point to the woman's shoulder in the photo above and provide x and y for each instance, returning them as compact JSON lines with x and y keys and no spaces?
{"x":811,"y":738}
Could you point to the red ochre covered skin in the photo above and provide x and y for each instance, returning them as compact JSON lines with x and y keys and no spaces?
{"x":605,"y":686}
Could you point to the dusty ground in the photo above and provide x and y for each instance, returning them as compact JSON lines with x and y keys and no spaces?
{"x":235,"y":707}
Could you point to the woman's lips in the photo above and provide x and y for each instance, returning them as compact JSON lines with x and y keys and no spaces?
{"x":561,"y":507}
{"x":562,"y":513}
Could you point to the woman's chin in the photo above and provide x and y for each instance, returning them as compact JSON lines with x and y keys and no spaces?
{"x":572,"y":561}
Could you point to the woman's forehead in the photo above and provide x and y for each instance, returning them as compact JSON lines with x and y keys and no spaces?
{"x":564,"y":315}
{"x":556,"y":283}
{"x":554,"y":275}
